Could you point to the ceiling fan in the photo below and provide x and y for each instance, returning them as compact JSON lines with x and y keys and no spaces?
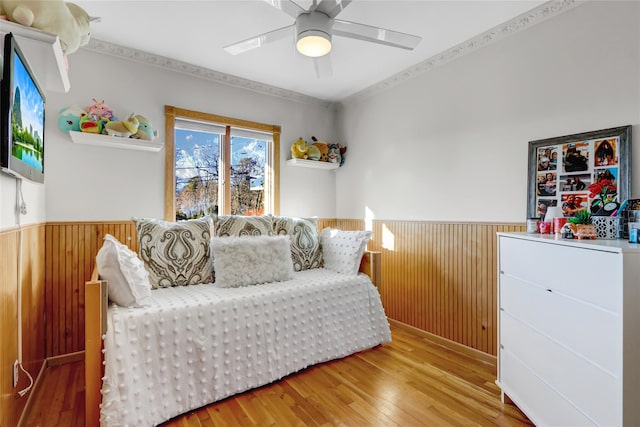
{"x":314,"y":29}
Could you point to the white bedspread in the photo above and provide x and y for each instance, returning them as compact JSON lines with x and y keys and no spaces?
{"x":198,"y":344}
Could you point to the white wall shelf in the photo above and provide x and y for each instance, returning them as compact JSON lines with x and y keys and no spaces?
{"x":107,"y":141}
{"x":44,"y":55}
{"x":313,"y":164}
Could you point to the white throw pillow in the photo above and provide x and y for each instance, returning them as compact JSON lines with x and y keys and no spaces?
{"x":342,"y":250}
{"x":244,"y":261}
{"x":128,"y":280}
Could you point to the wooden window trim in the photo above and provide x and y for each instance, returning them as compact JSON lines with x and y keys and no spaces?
{"x":272,"y":172}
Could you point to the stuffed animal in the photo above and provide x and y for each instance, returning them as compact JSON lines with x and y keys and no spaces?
{"x":69,"y":119}
{"x":67,"y":20}
{"x":100,"y":110}
{"x":145,"y":131}
{"x":123,"y":128}
{"x":313,"y":153}
{"x":343,"y":151}
{"x":299,"y":149}
{"x":334,"y":155}
{"x":323,"y":147}
{"x":90,"y":124}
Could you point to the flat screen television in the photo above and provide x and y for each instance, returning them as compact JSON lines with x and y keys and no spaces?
{"x":21,"y":116}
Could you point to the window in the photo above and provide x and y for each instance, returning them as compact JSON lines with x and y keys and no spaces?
{"x":219,"y":164}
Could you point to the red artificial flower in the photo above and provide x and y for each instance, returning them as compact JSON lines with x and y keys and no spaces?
{"x":602,"y":188}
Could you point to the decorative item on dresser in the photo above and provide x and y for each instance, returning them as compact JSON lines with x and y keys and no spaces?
{"x":564,"y":170}
{"x":569,"y":329}
{"x":607,"y":227}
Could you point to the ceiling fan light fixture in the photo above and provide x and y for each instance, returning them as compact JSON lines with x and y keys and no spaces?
{"x":313,"y":34}
{"x":313,"y":43}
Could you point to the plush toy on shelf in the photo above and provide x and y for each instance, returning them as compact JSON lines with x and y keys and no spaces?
{"x":123,"y":128}
{"x":343,"y":151}
{"x":299,"y":149}
{"x":67,"y":20}
{"x":145,"y":132}
{"x":100,"y":109}
{"x":313,"y":153}
{"x":89,"y":123}
{"x":69,"y":119}
{"x":334,"y":155}
{"x":323,"y":147}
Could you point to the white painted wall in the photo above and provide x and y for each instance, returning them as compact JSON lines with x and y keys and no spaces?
{"x":95,"y":183}
{"x":451,"y":144}
{"x":34,"y":197}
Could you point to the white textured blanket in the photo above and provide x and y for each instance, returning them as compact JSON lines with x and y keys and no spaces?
{"x":198,"y":344}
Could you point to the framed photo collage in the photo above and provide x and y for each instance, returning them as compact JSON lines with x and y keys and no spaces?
{"x":561,"y":170}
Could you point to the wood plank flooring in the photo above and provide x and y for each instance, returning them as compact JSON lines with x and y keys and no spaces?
{"x":412,"y":381}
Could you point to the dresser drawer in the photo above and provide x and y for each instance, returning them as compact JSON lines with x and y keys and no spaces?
{"x":594,"y":392}
{"x":543,"y":405}
{"x":589,"y":275}
{"x":587,"y":330}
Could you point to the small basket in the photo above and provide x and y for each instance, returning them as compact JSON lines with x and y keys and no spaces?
{"x":607,"y":227}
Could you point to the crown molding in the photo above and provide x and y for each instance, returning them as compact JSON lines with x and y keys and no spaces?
{"x":519,"y":23}
{"x":526,"y":20}
{"x":146,"y":58}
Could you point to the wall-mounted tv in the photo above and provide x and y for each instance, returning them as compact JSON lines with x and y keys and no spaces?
{"x":21,"y":116}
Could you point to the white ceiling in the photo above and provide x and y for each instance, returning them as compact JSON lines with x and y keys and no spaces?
{"x":195,"y":32}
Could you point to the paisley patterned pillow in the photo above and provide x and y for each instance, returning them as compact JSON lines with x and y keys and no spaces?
{"x":237,"y":225}
{"x":305,"y":243}
{"x":176,"y":253}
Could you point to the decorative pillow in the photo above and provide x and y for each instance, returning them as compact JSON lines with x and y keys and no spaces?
{"x":244,"y":261}
{"x":237,"y":225}
{"x":176,"y":253}
{"x":120,"y":266}
{"x":305,"y":243}
{"x":342,"y":250}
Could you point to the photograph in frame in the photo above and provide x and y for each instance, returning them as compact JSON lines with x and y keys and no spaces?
{"x":562,"y":168}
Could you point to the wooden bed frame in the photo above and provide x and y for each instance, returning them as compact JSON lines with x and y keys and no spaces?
{"x":96,"y":303}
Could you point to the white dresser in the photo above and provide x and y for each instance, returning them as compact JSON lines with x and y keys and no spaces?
{"x":569,"y":329}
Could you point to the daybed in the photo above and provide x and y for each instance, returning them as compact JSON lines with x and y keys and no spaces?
{"x":189,"y":346}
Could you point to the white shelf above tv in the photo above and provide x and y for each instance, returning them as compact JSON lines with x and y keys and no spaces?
{"x":44,"y":55}
{"x":107,"y":141}
{"x":313,"y":164}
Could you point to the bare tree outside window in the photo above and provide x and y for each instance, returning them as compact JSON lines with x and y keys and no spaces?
{"x":218,"y":164}
{"x":197,"y":167}
{"x":247,"y":176}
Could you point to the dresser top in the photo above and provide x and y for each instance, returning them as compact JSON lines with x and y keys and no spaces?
{"x":609,"y":245}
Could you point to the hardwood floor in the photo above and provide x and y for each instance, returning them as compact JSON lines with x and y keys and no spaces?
{"x":412,"y":381}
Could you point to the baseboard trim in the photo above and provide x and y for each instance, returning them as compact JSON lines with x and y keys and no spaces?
{"x":47,"y":363}
{"x":32,"y":392}
{"x":65,"y":358}
{"x":452,"y":345}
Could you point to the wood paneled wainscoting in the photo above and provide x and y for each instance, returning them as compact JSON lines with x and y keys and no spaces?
{"x":71,"y":248}
{"x":33,"y":297}
{"x":440,"y":277}
{"x":437,"y":277}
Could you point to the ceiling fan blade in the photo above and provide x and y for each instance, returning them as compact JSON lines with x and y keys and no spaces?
{"x":287,"y":6}
{"x":322,"y":65}
{"x":332,"y":7}
{"x":260,"y":40}
{"x":375,"y":34}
